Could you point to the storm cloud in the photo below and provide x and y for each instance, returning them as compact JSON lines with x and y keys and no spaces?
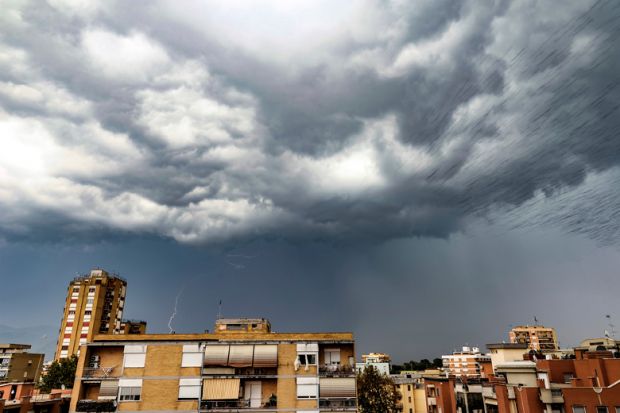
{"x":212,"y":122}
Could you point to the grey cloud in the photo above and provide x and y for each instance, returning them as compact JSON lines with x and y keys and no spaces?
{"x":450,"y":111}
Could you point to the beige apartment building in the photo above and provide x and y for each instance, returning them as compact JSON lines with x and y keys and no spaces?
{"x":468,"y":362}
{"x":537,"y":337}
{"x":94,"y":305}
{"x":410,"y":387}
{"x":17,"y":365}
{"x":241,"y":366}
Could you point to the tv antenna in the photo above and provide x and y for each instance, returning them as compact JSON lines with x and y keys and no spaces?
{"x":219,"y":310}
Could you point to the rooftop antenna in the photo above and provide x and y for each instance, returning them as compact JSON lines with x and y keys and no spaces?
{"x":535,"y":321}
{"x":612,"y":328}
{"x":219,"y":311}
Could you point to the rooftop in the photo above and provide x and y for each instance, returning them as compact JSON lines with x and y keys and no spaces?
{"x":15,"y":346}
{"x":516,"y":346}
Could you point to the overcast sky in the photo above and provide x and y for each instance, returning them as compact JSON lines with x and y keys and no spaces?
{"x":423,"y":173}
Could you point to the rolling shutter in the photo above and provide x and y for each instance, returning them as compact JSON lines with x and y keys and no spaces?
{"x":337,"y":387}
{"x":108,"y":390}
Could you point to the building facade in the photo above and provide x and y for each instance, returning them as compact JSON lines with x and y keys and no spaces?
{"x":379,"y":361}
{"x":94,"y":305}
{"x":17,"y":365}
{"x":537,"y":337}
{"x":410,"y":388}
{"x":467,"y":362}
{"x":241,"y":366}
{"x":585,"y":380}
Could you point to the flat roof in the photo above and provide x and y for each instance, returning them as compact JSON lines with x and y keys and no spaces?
{"x":15,"y":346}
{"x":228,"y":337}
{"x":516,"y":346}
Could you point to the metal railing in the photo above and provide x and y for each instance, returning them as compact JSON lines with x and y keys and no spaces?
{"x":100,"y":372}
{"x":96,"y":406}
{"x":334,"y":370}
{"x":233,"y":404}
{"x":340,"y":404}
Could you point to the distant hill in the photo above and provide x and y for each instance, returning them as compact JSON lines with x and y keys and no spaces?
{"x":41,"y":338}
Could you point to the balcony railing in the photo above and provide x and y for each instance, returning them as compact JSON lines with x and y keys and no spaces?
{"x":100,"y":373}
{"x":96,"y":406}
{"x":233,"y":405}
{"x":338,"y":404}
{"x":336,"y":371}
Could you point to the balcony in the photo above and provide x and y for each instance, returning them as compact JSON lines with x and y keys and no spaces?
{"x":96,"y":406}
{"x":338,"y":405}
{"x":241,"y":373}
{"x":334,"y":370}
{"x":100,"y":373}
{"x":234,"y":405}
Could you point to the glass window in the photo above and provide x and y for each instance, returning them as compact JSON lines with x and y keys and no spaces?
{"x":579,"y":409}
{"x":130,"y":393}
{"x":307,"y":359}
{"x":601,"y":409}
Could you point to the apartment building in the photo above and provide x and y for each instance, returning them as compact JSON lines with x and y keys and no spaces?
{"x":242,"y":365}
{"x":410,"y":387}
{"x":467,"y":362}
{"x":22,"y":397}
{"x":17,"y":364}
{"x":379,"y":361}
{"x":94,"y":305}
{"x":585,"y":380}
{"x":133,"y":327}
{"x":537,"y":337}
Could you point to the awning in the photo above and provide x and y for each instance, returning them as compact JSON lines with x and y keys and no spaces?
{"x":337,"y":387}
{"x":108,"y":390}
{"x":266,"y":355}
{"x":241,"y":355}
{"x":216,"y":355}
{"x":220,"y":389}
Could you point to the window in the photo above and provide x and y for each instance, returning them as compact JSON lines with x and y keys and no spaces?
{"x":189,"y":389}
{"x":92,"y":289}
{"x":568,"y":377}
{"x":72,"y":312}
{"x":617,"y":409}
{"x":409,"y":387}
{"x":76,"y":289}
{"x":90,"y":301}
{"x":579,"y":409}
{"x":307,"y":387}
{"x":192,"y":356}
{"x":307,"y":353}
{"x":307,"y":359}
{"x":410,"y":410}
{"x":332,"y":356}
{"x":409,"y":399}
{"x":87,"y":312}
{"x":130,"y":393}
{"x":135,"y":356}
{"x":601,"y":409}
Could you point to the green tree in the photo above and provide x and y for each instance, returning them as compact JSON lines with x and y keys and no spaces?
{"x":60,"y":373}
{"x":376,"y":392}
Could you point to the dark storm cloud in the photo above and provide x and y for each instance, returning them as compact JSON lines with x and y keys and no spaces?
{"x":371,"y":120}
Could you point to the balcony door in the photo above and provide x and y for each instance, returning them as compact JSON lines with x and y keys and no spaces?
{"x":253,"y":393}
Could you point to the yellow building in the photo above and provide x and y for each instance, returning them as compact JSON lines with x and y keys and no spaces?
{"x":242,"y":365}
{"x":410,"y":388}
{"x":539,"y":338}
{"x":94,"y":305}
{"x":17,"y":365}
